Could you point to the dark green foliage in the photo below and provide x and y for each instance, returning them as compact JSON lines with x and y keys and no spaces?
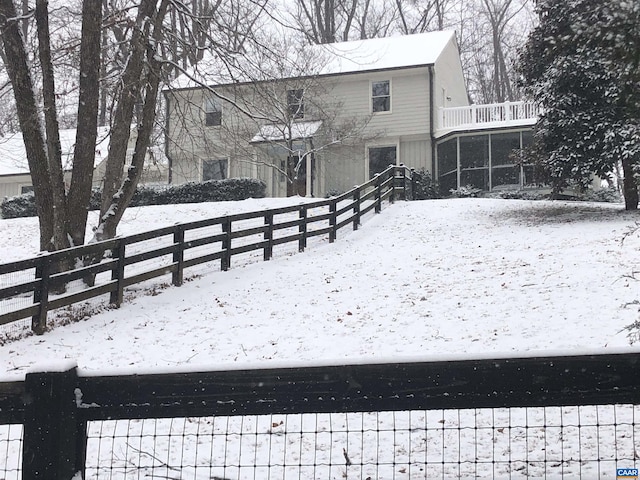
{"x":232,"y":189}
{"x":608,"y":195}
{"x":582,"y":64}
{"x":424,"y":188}
{"x":21,"y":206}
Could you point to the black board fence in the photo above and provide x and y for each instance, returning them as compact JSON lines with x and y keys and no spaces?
{"x":41,"y":286}
{"x":528,"y":417}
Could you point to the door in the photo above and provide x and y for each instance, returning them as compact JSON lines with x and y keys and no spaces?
{"x":296,"y":176}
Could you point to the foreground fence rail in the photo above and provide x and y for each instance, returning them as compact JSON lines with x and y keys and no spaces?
{"x":538,"y":417}
{"x":33,"y":287}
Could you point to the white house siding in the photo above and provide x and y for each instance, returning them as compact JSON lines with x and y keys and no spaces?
{"x":342,"y":168}
{"x":11,"y":185}
{"x":416,"y":153}
{"x":348,"y":97}
{"x":449,"y":87}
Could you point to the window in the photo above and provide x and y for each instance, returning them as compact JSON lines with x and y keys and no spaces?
{"x":380,"y":158}
{"x":214,"y":169}
{"x":381,"y":96}
{"x":212,"y":111}
{"x":26,"y":189}
{"x":295,"y":102}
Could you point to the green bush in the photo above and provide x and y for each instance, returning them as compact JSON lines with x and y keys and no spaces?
{"x":609,"y":195}
{"x":423,"y":186}
{"x":21,"y":206}
{"x":232,"y":189}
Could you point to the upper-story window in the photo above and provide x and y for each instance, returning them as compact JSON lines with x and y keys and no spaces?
{"x":212,"y":111}
{"x":295,"y":102}
{"x":381,"y":96}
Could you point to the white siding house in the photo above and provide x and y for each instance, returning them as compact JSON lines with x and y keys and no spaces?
{"x":368,"y":104}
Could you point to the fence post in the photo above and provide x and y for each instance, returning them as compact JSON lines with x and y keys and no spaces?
{"x":392,"y":197}
{"x":333,"y":220}
{"x":225,"y":261}
{"x":268,"y":236}
{"x":178,"y":255}
{"x":414,"y":182}
{"x":41,"y":295}
{"x":403,"y":179}
{"x":302,"y":228}
{"x":378,"y":195}
{"x":356,"y":208}
{"x":116,"y":297}
{"x":54,"y":441}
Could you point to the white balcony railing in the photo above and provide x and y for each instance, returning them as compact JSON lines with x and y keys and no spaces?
{"x":490,"y":115}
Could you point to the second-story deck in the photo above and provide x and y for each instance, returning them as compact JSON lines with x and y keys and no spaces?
{"x":480,"y":117}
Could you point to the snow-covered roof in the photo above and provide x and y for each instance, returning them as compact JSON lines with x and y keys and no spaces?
{"x":331,"y":59}
{"x":274,"y":133}
{"x":13,"y":156}
{"x":386,"y":53}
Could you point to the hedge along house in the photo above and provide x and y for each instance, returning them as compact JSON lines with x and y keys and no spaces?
{"x":317,"y":120}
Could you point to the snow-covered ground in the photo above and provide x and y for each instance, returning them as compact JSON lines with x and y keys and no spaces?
{"x":422,"y":280}
{"x":461,"y":277}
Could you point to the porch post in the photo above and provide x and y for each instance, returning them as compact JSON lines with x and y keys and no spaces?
{"x":309,"y":174}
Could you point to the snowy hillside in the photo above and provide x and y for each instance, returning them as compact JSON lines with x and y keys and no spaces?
{"x":421,"y":279}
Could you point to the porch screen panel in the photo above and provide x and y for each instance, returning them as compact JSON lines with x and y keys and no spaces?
{"x":474,"y":161}
{"x":448,"y":165}
{"x":532,"y":175}
{"x":503,"y":170}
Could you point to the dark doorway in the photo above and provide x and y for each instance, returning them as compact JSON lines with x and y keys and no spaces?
{"x":296,"y":176}
{"x":380,"y":158}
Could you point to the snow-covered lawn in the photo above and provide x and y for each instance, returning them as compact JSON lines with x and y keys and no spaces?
{"x":422,"y":280}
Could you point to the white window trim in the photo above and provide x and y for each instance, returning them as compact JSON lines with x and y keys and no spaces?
{"x":216,"y":102}
{"x":386,"y":112}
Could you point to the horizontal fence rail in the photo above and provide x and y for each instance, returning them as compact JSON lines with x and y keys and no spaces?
{"x":537,"y":417}
{"x":33,"y":287}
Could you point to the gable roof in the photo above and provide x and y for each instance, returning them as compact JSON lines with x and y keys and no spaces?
{"x":386,"y":53}
{"x":331,"y":59}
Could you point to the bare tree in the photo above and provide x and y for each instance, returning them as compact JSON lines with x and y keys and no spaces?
{"x":276,"y":114}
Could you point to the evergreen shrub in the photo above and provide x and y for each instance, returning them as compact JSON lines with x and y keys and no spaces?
{"x":424,"y":188}
{"x":232,"y":189}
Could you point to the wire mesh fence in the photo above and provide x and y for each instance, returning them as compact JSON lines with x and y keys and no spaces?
{"x":513,"y":418}
{"x":512,"y":443}
{"x":10,"y":452}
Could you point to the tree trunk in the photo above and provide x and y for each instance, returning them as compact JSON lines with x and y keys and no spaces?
{"x":114,"y":202}
{"x":29,"y":119}
{"x":86,"y":133}
{"x":121,"y":130}
{"x":54,"y":150}
{"x":630,"y":187}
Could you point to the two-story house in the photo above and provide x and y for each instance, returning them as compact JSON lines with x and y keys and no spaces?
{"x":322,"y":119}
{"x":319,"y":124}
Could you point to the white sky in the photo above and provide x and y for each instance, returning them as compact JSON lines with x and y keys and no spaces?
{"x":436,"y":279}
